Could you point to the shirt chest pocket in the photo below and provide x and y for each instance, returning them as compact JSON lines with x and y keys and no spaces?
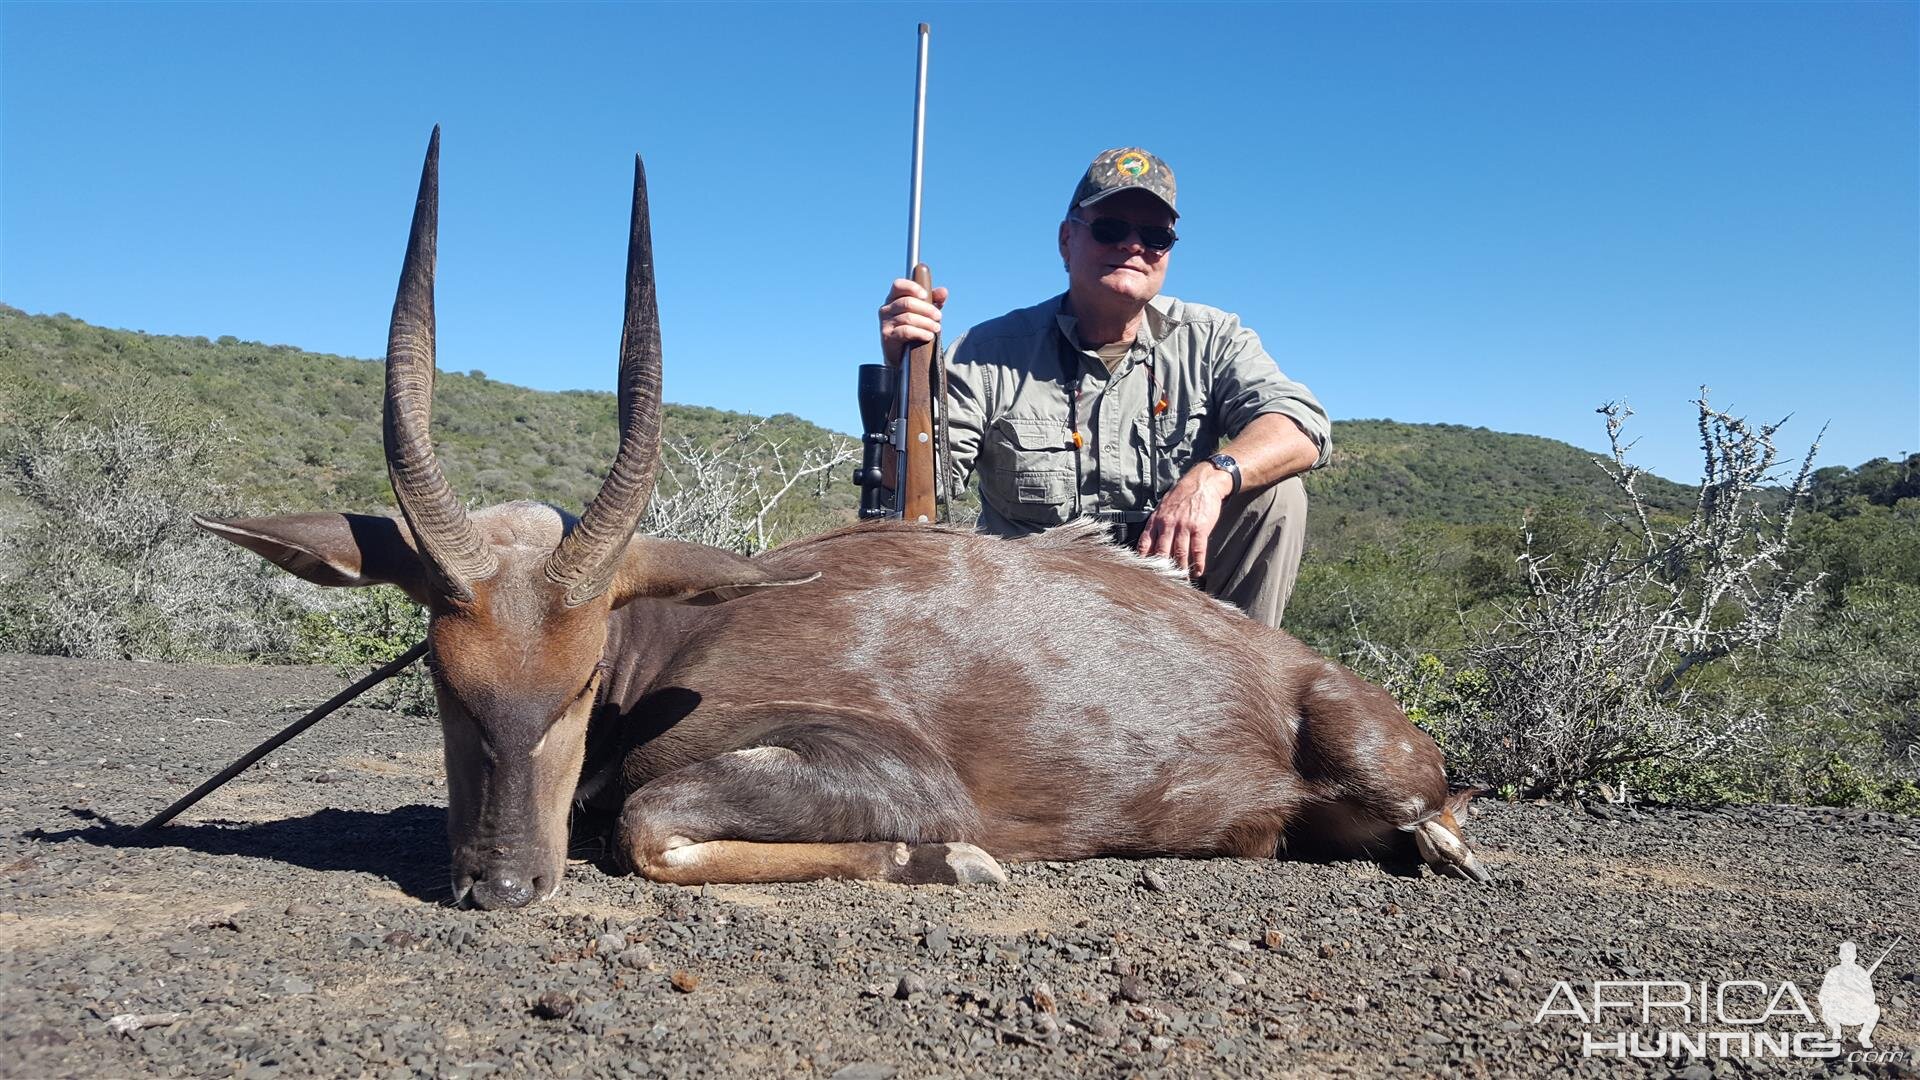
{"x":1176,"y":441}
{"x":1030,"y":470}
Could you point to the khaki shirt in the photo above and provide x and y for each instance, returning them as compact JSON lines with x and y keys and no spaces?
{"x":1016,"y":384}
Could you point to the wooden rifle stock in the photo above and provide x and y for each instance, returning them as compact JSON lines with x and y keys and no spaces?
{"x":921,"y":370}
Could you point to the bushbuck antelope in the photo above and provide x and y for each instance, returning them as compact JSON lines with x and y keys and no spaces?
{"x":755,"y":720}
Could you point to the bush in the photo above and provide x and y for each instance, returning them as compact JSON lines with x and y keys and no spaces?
{"x":1592,"y":677}
{"x":356,"y":630}
{"x":101,"y":558}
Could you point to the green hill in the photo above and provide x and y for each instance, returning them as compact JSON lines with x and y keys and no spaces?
{"x":304,"y":431}
{"x":304,"y":428}
{"x":1462,"y":476}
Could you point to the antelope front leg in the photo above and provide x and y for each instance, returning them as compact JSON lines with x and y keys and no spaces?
{"x":807,"y":802}
{"x":687,"y":862}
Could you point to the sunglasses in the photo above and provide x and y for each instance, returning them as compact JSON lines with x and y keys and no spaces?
{"x":1108,"y":230}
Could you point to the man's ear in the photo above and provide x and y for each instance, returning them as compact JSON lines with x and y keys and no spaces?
{"x":691,"y":573}
{"x":330,"y":549}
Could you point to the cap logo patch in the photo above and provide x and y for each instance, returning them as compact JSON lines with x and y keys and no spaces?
{"x":1133,"y":164}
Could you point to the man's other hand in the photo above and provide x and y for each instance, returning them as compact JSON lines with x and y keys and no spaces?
{"x":909,"y":318}
{"x":1180,"y":527}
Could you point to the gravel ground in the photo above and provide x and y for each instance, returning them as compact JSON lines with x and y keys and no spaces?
{"x":295,"y":924}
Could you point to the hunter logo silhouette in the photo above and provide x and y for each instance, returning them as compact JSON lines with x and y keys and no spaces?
{"x":1846,"y":994}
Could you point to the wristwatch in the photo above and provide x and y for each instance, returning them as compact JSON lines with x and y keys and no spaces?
{"x":1226,"y":464}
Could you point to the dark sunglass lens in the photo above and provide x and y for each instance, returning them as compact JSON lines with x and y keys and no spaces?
{"x":1156,"y":237}
{"x":1108,"y":230}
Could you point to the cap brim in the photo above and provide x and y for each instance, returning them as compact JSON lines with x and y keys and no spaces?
{"x":1111,"y":192}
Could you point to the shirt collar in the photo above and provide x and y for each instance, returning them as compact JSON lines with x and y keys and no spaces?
{"x":1158,"y":323}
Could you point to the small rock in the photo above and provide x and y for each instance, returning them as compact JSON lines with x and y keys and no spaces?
{"x":636,"y":957}
{"x":128,"y":1023}
{"x":1234,"y":978}
{"x":301,"y":909}
{"x":1237,"y":945}
{"x":1131,"y":989}
{"x":610,"y":944}
{"x":1695,"y":1071}
{"x":939,"y":941}
{"x":1153,"y":881}
{"x":45,"y":1036}
{"x":1160,"y":1043}
{"x":909,"y":985}
{"x":684,"y":981}
{"x":402,"y":939}
{"x":292,"y":984}
{"x":1510,"y":976}
{"x":865,"y":1070}
{"x":1043,"y":998}
{"x":1327,"y":951}
{"x":552,"y":1005}
{"x":1273,"y":939}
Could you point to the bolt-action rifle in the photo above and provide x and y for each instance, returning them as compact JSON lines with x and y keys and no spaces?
{"x":898,"y":405}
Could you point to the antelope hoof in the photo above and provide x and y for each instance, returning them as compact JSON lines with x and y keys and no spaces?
{"x":973,"y":866}
{"x":1443,"y":850}
{"x":950,"y":864}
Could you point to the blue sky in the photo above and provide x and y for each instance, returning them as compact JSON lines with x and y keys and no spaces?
{"x":1486,"y":214}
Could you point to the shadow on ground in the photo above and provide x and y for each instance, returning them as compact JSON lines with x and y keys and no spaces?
{"x":407,"y":845}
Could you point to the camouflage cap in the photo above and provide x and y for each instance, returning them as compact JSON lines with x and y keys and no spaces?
{"x":1121,"y":169}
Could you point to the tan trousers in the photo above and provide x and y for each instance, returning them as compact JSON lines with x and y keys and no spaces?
{"x":1253,"y":555}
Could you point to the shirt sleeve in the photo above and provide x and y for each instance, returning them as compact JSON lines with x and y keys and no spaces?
{"x":966,"y":411}
{"x":1247,"y":384}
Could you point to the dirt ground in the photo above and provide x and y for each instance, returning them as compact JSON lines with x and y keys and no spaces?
{"x":296,"y":924}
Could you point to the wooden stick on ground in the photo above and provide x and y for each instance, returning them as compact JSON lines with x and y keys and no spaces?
{"x":379,"y":675}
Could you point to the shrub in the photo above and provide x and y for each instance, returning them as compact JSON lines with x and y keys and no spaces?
{"x":356,"y":630}
{"x":1591,"y":677}
{"x":101,"y":558}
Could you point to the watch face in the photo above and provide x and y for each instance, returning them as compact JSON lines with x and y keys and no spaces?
{"x":1226,"y":464}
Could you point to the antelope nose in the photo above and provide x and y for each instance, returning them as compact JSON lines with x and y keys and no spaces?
{"x":493,"y":894}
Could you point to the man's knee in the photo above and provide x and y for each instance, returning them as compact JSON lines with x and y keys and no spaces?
{"x":1254,"y":555}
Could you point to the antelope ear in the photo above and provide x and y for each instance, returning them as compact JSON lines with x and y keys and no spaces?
{"x":330,"y":549}
{"x":1460,"y":803}
{"x":691,"y":573}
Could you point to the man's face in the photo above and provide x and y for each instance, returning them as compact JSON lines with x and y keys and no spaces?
{"x":1123,"y":271}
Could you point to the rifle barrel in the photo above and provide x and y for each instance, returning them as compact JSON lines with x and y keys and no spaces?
{"x":919,"y":153}
{"x":1887,"y":953}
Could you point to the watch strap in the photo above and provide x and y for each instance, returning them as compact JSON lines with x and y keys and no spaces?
{"x":1226,"y":464}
